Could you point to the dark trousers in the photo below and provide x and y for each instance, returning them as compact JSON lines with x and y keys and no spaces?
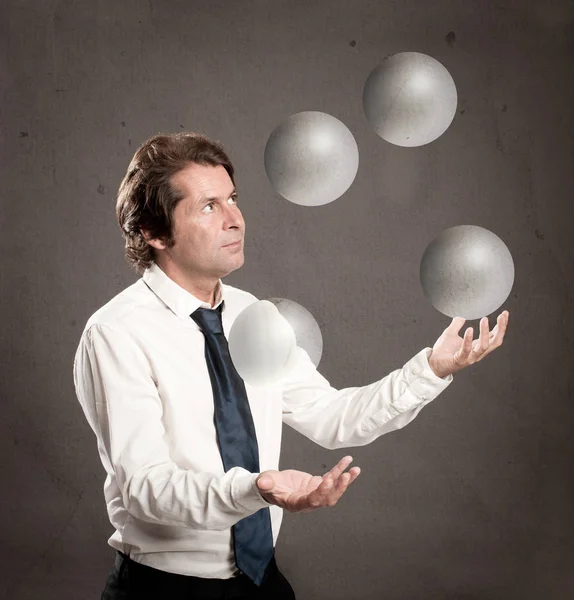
{"x":130,"y":580}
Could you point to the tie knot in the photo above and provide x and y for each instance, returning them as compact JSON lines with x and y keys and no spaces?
{"x":208,"y":319}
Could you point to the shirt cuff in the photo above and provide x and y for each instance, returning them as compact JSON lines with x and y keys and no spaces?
{"x":421,"y":385}
{"x":247,"y":494}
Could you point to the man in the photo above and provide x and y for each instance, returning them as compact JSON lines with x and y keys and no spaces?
{"x":194,"y":516}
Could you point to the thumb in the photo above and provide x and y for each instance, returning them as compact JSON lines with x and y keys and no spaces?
{"x":265,"y":483}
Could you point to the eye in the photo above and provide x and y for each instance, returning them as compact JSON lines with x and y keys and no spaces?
{"x":234,"y":198}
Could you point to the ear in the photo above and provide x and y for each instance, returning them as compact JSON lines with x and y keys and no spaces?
{"x":156,"y":243}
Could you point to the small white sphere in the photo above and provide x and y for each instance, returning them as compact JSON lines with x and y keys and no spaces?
{"x":262,"y":344}
{"x":307,"y":331}
{"x":410,"y":99}
{"x":467,"y":271}
{"x":311,"y":158}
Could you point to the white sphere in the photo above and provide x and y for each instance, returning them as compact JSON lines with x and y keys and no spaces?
{"x":410,"y":99}
{"x":262,"y":344}
{"x":311,"y":158}
{"x":307,"y":331}
{"x":467,"y":271}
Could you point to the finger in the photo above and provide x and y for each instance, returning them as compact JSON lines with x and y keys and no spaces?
{"x":481,"y":345}
{"x":331,"y":485}
{"x":456,"y":324}
{"x":497,"y":334}
{"x":492,"y":335}
{"x":466,"y":347}
{"x":332,"y":491}
{"x":341,"y":486}
{"x":496,"y":330}
{"x":322,"y":494}
{"x":336,"y":471}
{"x":346,"y":479}
{"x":329,"y":492}
{"x":326,"y":485}
{"x":501,"y":325}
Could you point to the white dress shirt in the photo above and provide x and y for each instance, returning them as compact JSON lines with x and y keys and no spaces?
{"x":142,"y":380}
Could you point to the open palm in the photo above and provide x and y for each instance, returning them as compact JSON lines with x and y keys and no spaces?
{"x":451,"y":352}
{"x":297,"y":491}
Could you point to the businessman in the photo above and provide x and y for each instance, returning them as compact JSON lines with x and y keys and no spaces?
{"x":191,"y":451}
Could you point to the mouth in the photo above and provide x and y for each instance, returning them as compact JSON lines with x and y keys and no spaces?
{"x":237,"y":243}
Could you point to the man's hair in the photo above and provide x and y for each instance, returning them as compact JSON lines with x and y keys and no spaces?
{"x":146,"y":197}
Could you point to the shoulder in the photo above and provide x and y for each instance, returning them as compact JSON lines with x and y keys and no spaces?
{"x":121,"y":309}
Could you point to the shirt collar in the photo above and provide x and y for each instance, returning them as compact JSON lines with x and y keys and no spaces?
{"x":180,"y":301}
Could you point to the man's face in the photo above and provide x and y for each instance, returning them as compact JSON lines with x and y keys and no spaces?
{"x":204,"y":222}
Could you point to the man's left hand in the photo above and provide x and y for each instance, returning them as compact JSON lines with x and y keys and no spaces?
{"x":451,"y":353}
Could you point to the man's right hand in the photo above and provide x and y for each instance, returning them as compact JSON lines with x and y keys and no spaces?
{"x":297,"y":491}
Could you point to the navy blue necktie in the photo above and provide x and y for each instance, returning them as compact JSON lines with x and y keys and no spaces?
{"x":252,"y":536}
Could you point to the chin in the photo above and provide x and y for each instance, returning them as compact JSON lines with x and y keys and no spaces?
{"x":236,"y":265}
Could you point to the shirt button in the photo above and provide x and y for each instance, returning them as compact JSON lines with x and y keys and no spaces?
{"x":416,"y":371}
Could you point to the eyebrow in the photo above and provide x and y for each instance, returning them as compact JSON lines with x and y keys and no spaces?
{"x":203,"y":199}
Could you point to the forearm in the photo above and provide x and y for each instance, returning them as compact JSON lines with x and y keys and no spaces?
{"x":359,"y":415}
{"x":171,"y":496}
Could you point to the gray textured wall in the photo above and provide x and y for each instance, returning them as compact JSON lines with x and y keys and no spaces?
{"x":475,"y":499}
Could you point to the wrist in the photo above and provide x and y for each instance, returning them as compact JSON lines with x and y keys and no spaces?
{"x":442,"y":373}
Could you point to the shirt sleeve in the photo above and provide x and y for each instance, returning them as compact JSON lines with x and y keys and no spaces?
{"x":356,"y":416}
{"x":119,"y":396}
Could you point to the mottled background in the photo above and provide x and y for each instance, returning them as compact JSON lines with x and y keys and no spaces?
{"x":474,"y":499}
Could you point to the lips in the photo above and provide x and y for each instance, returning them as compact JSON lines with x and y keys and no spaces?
{"x":231,"y":243}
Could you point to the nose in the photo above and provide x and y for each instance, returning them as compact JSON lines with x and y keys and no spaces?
{"x":232,"y":217}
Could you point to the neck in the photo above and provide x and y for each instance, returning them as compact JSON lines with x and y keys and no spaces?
{"x":202,"y":287}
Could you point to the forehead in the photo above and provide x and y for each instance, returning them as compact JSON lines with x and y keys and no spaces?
{"x":200,"y":181}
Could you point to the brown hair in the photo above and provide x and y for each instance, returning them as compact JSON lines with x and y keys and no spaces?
{"x":146,"y":199}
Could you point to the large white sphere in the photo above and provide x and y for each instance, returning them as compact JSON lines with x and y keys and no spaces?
{"x":262,"y":344}
{"x":307,"y":331}
{"x":410,"y":99}
{"x":311,"y":158}
{"x":467,"y":271}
